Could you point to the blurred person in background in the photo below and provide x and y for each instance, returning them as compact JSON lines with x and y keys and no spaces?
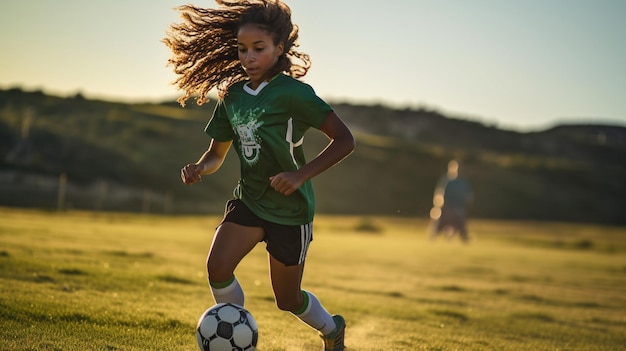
{"x":453,"y":194}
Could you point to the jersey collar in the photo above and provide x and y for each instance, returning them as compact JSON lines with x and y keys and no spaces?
{"x":247,"y":89}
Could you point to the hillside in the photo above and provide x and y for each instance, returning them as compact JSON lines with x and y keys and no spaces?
{"x":127,"y":157}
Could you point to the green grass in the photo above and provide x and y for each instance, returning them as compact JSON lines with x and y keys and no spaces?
{"x":88,"y":281}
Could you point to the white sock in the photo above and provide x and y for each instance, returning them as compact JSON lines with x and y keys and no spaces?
{"x":315,"y":315}
{"x":229,"y":291}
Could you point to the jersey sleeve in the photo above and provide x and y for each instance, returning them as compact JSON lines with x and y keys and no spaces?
{"x":307,"y":107}
{"x":219,"y":127}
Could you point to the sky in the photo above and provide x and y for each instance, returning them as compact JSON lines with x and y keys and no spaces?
{"x":519,"y":65}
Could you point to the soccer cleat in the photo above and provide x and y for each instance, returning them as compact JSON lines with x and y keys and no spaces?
{"x":334,"y":340}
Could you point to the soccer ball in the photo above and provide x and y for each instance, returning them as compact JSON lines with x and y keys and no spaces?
{"x":227,"y":327}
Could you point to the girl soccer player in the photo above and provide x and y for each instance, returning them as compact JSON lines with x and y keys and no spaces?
{"x":247,"y":50}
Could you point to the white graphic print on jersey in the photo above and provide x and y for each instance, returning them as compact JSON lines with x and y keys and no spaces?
{"x":246,"y":125}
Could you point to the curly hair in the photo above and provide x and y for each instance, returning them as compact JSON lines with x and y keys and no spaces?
{"x":204,"y":45}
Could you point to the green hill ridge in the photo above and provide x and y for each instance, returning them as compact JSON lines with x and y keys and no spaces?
{"x":127,"y":157}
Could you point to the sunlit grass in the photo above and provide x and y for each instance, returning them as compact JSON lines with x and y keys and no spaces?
{"x":85,"y":281}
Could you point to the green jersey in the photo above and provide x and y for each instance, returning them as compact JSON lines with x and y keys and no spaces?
{"x":267,"y":127}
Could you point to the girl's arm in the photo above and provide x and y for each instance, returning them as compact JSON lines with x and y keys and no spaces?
{"x":341,"y":145}
{"x":208,"y":163}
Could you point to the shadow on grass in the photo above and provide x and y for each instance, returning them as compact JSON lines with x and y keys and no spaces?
{"x":135,"y":255}
{"x":461,"y":317}
{"x":540,"y":300}
{"x":72,"y":271}
{"x":536,"y":316}
{"x":400,"y":295}
{"x":175,"y":280}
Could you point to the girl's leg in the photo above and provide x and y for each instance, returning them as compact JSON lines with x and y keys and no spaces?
{"x":286,"y":282}
{"x":232,"y":242}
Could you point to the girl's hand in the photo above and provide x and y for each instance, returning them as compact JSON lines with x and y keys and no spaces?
{"x":286,"y":183}
{"x":190,"y":174}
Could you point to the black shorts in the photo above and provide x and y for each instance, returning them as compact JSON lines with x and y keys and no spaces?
{"x":452,"y":217}
{"x":286,"y":243}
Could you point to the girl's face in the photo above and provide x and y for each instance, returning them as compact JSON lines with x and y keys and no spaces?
{"x":257,"y":52}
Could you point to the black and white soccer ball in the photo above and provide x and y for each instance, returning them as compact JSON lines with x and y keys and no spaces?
{"x":227,"y":327}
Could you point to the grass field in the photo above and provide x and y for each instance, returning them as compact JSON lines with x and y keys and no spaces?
{"x":88,"y":281}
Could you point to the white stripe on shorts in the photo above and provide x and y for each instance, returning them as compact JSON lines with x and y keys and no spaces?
{"x":306,"y":232}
